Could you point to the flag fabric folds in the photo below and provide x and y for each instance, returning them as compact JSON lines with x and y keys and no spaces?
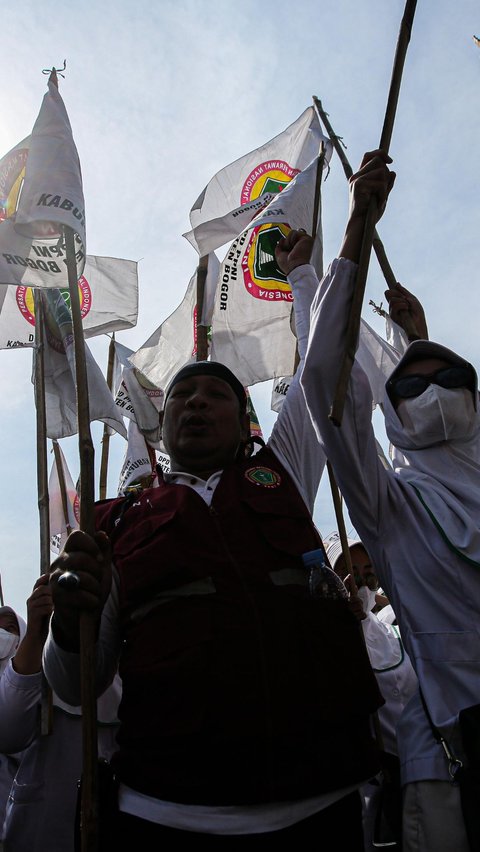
{"x":172,"y":345}
{"x":108,"y":291}
{"x":59,"y":369}
{"x":139,"y":462}
{"x":44,"y":192}
{"x":137,"y":398}
{"x":61,"y":526}
{"x":234,"y":193}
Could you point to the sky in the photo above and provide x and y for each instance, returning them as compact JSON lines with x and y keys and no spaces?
{"x":162,"y":95}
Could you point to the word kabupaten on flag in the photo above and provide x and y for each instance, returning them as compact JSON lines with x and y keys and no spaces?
{"x":42,"y":192}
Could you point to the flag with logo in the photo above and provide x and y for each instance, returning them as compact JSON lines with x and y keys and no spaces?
{"x":251,"y":325}
{"x":238,"y":191}
{"x":42,"y":191}
{"x":59,"y":369}
{"x":64,"y":511}
{"x":108,"y":291}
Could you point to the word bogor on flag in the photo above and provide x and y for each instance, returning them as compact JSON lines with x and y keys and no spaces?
{"x":108,"y":291}
{"x":234,"y":194}
{"x":59,"y":369}
{"x":41,"y":186}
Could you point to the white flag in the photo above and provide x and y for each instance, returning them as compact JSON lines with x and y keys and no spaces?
{"x":251,"y":328}
{"x":251,"y":331}
{"x":279,"y":392}
{"x":211,"y":281}
{"x":139,"y":462}
{"x":59,"y":367}
{"x":377,"y":359}
{"x":108,"y":291}
{"x":45,"y":195}
{"x":172,"y":345}
{"x":137,"y":398}
{"x":61,"y":526}
{"x":266,"y":170}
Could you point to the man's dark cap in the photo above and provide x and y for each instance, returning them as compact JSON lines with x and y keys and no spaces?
{"x":210,"y":368}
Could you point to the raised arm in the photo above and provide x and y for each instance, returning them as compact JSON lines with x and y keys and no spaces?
{"x":351,"y":448}
{"x":402,"y":304}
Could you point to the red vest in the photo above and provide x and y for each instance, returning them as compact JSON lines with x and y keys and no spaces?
{"x":237,"y":687}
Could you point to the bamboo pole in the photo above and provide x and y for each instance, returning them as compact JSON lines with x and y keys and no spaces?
{"x":201,"y":330}
{"x":89,"y":790}
{"x":378,"y":247}
{"x":41,"y":417}
{"x":46,"y":717}
{"x":338,"y":403}
{"x":337,"y":503}
{"x":106,"y":430}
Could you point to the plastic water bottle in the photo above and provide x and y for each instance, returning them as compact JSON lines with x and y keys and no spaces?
{"x":322,"y":581}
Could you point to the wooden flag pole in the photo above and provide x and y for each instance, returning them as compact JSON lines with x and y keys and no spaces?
{"x":106,"y":432}
{"x":338,"y":404}
{"x":378,"y":247}
{"x":41,"y":414}
{"x":89,"y":790}
{"x":46,"y":718}
{"x":337,"y":504}
{"x":201,"y":330}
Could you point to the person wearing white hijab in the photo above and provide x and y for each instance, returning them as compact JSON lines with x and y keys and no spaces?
{"x":40,"y":812}
{"x":12,"y":631}
{"x":419,"y":520}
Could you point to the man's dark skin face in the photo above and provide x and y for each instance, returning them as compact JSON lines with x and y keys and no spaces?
{"x":202,"y":425}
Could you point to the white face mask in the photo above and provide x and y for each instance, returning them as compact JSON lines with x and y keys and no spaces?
{"x":367,"y":597}
{"x":438,"y":414}
{"x":8,"y":643}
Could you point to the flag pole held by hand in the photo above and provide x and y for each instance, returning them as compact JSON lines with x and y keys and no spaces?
{"x":338,"y":404}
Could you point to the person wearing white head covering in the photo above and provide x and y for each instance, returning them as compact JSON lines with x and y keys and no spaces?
{"x":12,"y":631}
{"x":40,"y":812}
{"x":419,"y":521}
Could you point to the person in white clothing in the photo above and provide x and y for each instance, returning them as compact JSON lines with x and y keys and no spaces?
{"x":42,"y":801}
{"x":12,"y":631}
{"x":397,"y":682}
{"x":418,"y":520}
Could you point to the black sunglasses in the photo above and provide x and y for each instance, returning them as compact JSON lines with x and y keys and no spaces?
{"x":407,"y":387}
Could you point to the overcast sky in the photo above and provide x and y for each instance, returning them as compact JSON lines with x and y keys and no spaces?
{"x":162,"y":95}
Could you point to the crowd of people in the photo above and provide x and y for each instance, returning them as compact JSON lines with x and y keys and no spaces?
{"x":243,"y":701}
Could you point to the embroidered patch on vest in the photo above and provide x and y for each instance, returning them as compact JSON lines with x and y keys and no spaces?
{"x":263,"y":476}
